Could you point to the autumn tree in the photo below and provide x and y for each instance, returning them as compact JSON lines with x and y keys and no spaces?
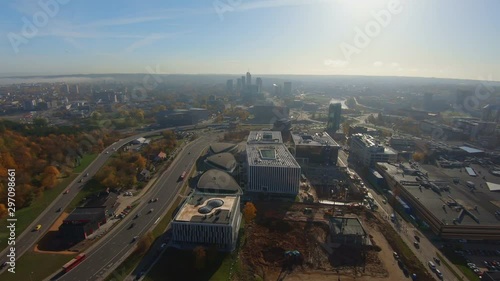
{"x":200,"y":257}
{"x":249,"y":212}
{"x":49,"y":177}
{"x":418,"y":156}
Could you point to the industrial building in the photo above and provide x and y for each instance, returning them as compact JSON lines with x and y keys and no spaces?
{"x":318,"y":148}
{"x":365,"y":150}
{"x":449,"y":206}
{"x":81,"y":223}
{"x":181,"y":117}
{"x":334,"y":116}
{"x":272,"y":168}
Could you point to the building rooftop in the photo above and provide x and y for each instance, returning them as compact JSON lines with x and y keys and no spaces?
{"x":216,"y":181}
{"x":270,"y":155}
{"x":264,"y":137}
{"x":224,"y":161}
{"x":346,"y":226}
{"x":85,"y":214}
{"x":435,"y":196}
{"x":318,"y":139}
{"x":203,"y":208}
{"x":222,"y":147}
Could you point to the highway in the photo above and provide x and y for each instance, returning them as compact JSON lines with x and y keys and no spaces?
{"x":28,"y":238}
{"x":119,"y":242}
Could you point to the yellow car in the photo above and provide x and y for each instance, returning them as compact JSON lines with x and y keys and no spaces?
{"x":38,"y":227}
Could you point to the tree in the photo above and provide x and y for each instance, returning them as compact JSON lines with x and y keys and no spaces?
{"x":249,"y":212}
{"x":418,"y":156}
{"x":200,"y":256}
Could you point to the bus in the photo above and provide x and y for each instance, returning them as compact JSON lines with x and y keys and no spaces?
{"x":73,"y":263}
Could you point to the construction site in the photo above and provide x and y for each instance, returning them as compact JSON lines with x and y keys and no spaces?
{"x":297,"y":241}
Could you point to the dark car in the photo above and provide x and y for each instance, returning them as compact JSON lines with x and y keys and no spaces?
{"x":132,"y":225}
{"x":58,"y":210}
{"x":416,"y":244}
{"x":437,"y":261}
{"x":417,"y":238}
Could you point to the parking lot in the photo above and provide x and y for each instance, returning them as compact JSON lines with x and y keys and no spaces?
{"x":480,"y":257}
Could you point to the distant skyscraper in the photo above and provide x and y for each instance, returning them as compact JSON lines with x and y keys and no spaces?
{"x":258,"y":81}
{"x":238,"y":85}
{"x":229,"y":86}
{"x":334,"y":114}
{"x":67,"y":89}
{"x":249,"y":79}
{"x":287,"y":89}
{"x":243,"y":84}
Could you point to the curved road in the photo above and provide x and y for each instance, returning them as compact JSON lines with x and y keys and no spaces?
{"x":117,"y":244}
{"x":28,"y":238}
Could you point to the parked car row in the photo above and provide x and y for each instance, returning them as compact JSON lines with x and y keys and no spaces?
{"x":433,"y":267}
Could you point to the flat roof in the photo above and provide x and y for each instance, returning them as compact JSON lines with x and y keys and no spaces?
{"x":470,"y":149}
{"x":346,"y":226}
{"x":459,"y":194}
{"x":202,"y":208}
{"x":318,"y":139}
{"x":270,"y":155}
{"x":265,"y":137}
{"x":83,"y":213}
{"x":493,"y":186}
{"x":218,"y":181}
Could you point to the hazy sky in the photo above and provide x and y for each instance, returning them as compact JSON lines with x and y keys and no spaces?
{"x":426,"y":38}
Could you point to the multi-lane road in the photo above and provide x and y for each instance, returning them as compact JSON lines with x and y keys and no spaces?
{"x":28,"y":238}
{"x":118,"y":243}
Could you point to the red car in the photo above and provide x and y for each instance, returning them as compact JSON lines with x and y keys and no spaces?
{"x":66,"y":191}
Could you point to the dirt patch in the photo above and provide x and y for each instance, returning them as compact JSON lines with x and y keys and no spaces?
{"x":281,"y":228}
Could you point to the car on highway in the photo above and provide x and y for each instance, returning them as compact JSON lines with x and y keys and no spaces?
{"x":150,"y":211}
{"x":137,"y":215}
{"x":131,"y":225}
{"x":437,"y":261}
{"x":417,"y":238}
{"x":66,"y":191}
{"x":107,"y":152}
{"x":87,"y":174}
{"x":416,"y":244}
{"x":135,"y":238}
{"x":396,"y":256}
{"x":59,"y":209}
{"x":439,"y":274}
{"x":431,"y":265}
{"x":38,"y":227}
{"x":163,"y":245}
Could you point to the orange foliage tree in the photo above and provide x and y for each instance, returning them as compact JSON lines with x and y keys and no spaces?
{"x":249,"y":212}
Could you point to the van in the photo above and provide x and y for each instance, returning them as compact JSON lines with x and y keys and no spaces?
{"x":432,"y":265}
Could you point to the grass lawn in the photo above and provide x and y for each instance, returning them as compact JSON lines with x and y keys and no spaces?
{"x":91,"y":187}
{"x":461,"y":264}
{"x":27,"y":215}
{"x":84,"y":162}
{"x":36,"y":266}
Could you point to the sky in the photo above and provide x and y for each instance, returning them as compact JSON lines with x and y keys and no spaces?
{"x":424,"y":38}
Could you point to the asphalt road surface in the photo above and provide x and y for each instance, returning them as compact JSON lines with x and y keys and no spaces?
{"x":120,"y":241}
{"x":28,"y":238}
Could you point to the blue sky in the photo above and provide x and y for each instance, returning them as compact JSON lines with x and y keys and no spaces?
{"x":425,"y":38}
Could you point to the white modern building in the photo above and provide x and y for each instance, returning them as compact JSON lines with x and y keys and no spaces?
{"x":271,"y":167}
{"x":207,"y":220}
{"x":366,"y":150}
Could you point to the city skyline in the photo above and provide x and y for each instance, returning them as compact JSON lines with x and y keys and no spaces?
{"x":449,"y":39}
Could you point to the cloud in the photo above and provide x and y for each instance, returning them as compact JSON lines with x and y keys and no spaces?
{"x":378,"y":64}
{"x":394,"y":64}
{"x":336,"y":63}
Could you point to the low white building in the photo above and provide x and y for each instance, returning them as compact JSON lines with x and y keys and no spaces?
{"x":366,"y":150}
{"x":207,"y":220}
